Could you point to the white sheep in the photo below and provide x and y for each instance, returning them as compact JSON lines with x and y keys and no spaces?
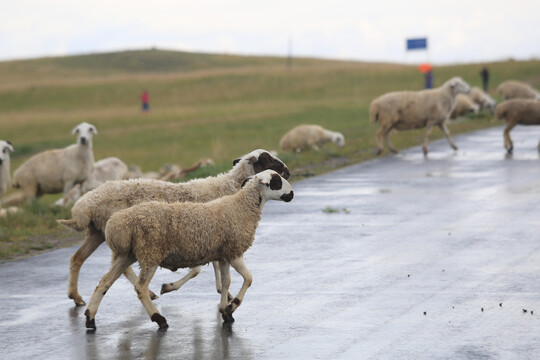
{"x":111,"y":168}
{"x":512,"y":89}
{"x":406,"y":110}
{"x":5,"y":176}
{"x":514,"y":112}
{"x":179,"y":235}
{"x":93,"y":209}
{"x":464,"y":106}
{"x":57,"y":171}
{"x":482,"y":99}
{"x":303,"y":137}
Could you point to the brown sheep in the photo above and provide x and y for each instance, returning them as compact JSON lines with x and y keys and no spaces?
{"x":514,"y":112}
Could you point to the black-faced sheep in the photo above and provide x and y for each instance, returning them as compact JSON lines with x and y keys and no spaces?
{"x":303,"y":137}
{"x":57,"y":171}
{"x":405,"y":110}
{"x":514,"y":112}
{"x":93,"y":209}
{"x":512,"y":89}
{"x":179,"y":235}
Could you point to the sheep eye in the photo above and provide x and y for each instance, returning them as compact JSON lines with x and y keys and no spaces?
{"x":5,"y":150}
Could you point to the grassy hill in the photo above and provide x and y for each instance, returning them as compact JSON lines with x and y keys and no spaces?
{"x":217,"y":106}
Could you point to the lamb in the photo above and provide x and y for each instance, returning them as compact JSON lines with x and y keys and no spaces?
{"x":303,"y":137}
{"x":92,"y":210}
{"x":464,"y":105}
{"x":405,"y":110}
{"x":178,"y":235}
{"x":58,"y":170}
{"x":517,"y":111}
{"x":111,"y":168}
{"x":5,"y":177}
{"x":512,"y":89}
{"x":482,"y":99}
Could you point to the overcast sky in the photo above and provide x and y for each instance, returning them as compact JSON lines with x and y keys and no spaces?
{"x":374,"y":30}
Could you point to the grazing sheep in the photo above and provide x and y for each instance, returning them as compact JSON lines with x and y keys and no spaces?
{"x":512,"y":89}
{"x":405,"y":110}
{"x":5,"y":177}
{"x":92,"y":210}
{"x":107,"y":169}
{"x":57,"y":171}
{"x":482,"y":99}
{"x":303,"y":137}
{"x":464,"y":105}
{"x":517,"y":111}
{"x":179,"y":235}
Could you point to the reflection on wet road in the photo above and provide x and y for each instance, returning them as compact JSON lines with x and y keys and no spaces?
{"x":425,"y":258}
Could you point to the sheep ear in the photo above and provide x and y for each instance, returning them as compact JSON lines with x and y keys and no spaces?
{"x":235,"y":161}
{"x":10,"y":146}
{"x":252,"y":160}
{"x":93,"y":129}
{"x":75,"y":130}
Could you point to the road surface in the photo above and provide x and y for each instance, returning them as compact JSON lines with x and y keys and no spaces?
{"x":413,"y":258}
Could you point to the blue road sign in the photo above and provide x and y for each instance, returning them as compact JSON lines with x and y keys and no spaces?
{"x":417,"y":44}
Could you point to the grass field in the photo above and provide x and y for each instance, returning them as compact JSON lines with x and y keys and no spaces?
{"x":202,"y":106}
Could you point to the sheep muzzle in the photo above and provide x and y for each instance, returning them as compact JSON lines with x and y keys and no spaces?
{"x":287,"y":197}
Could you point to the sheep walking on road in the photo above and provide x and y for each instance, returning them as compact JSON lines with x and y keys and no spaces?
{"x":178,"y":235}
{"x":57,"y":171}
{"x":303,"y":137}
{"x":514,"y":112}
{"x":406,"y":110}
{"x":92,"y":210}
{"x":512,"y":89}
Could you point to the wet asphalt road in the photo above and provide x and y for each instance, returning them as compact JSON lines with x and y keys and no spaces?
{"x":419,"y":248}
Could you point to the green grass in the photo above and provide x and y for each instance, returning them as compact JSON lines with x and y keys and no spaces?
{"x":203,"y":106}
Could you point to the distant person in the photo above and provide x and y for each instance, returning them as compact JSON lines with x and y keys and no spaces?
{"x":429,"y":80}
{"x":485,"y":78}
{"x":145,"y":101}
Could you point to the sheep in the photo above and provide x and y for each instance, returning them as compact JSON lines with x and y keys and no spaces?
{"x":111,"y":168}
{"x":464,"y":105}
{"x":92,"y":210}
{"x":303,"y":137}
{"x":5,"y":176}
{"x":482,"y":99}
{"x":178,"y":235}
{"x":517,"y":111}
{"x":405,"y":110}
{"x":58,"y":170}
{"x":512,"y":89}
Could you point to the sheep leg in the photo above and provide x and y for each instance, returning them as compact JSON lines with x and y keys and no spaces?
{"x":379,"y":139}
{"x":165,"y":288}
{"x":132,"y":277}
{"x":224,"y":267}
{"x":508,"y":144}
{"x":240,"y":267}
{"x":446,"y":133}
{"x":387,"y":140}
{"x":217,"y":274}
{"x":67,"y":188}
{"x":118,"y":265}
{"x":93,"y":239}
{"x":141,"y":287}
{"x":426,"y":138}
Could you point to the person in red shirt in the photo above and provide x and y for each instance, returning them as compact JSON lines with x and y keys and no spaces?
{"x":145,"y":101}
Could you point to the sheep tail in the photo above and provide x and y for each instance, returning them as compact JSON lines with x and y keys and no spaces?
{"x":373,"y":114}
{"x":71,"y":223}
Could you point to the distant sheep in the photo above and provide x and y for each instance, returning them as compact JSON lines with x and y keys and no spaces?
{"x":92,"y":211}
{"x":517,"y":111}
{"x":464,"y":106}
{"x":482,"y":99}
{"x":57,"y":171}
{"x":111,"y":168}
{"x":179,"y":235}
{"x":512,"y":89}
{"x":303,"y":137}
{"x":405,"y":110}
{"x":5,"y":177}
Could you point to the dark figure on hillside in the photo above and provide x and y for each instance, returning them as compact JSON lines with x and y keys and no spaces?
{"x":145,"y":101}
{"x":485,"y":78}
{"x":429,"y":80}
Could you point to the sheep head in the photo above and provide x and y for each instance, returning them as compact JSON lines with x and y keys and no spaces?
{"x":5,"y":148}
{"x":273,"y":186}
{"x":457,"y":86}
{"x":85,"y":131}
{"x":262,"y":160}
{"x":338,"y":139}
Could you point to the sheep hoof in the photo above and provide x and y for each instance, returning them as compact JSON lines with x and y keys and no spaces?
{"x":379,"y":152}
{"x":152,"y":295}
{"x":165,"y":288}
{"x":77,"y":299}
{"x":90,"y":323}
{"x":226,"y":314}
{"x":160,"y":320}
{"x":394,"y":151}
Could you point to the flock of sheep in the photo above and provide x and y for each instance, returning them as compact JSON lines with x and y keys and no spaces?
{"x":156,"y":222}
